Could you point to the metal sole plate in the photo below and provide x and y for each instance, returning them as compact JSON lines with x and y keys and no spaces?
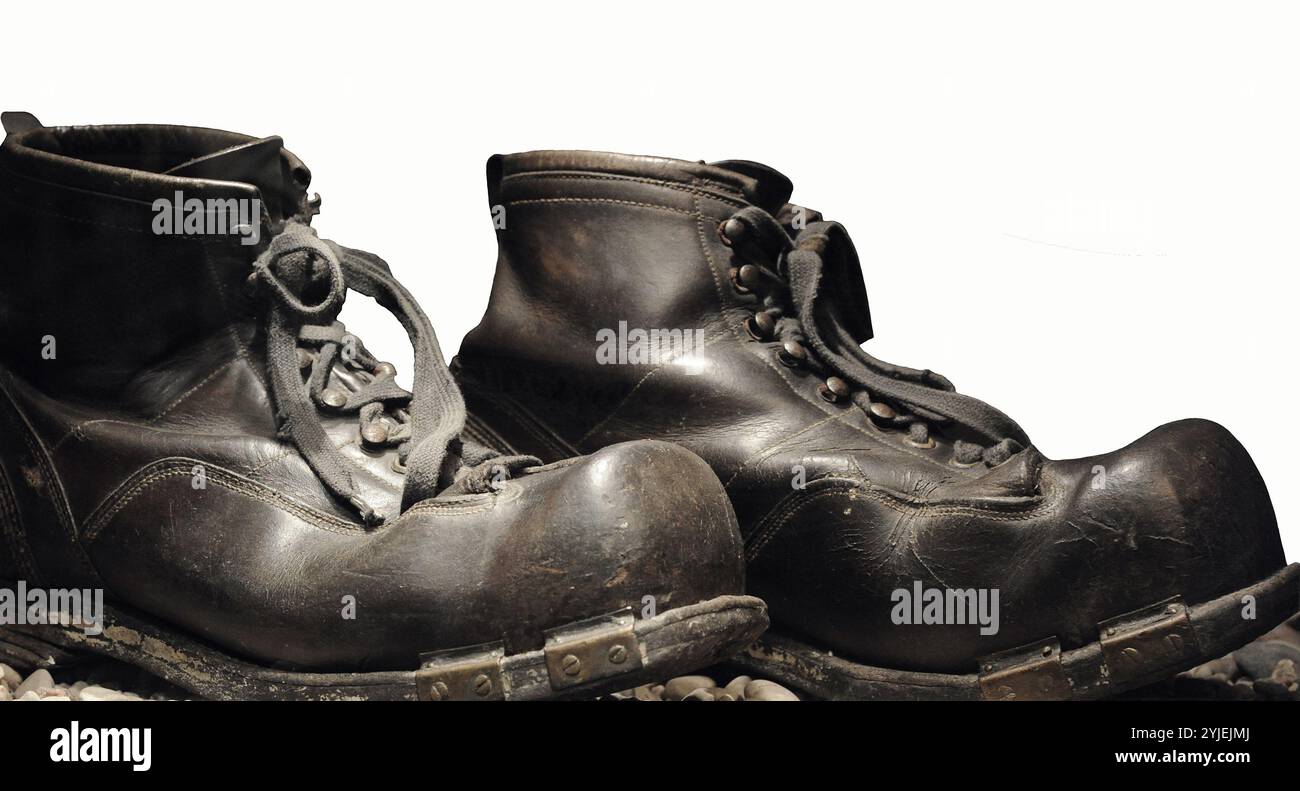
{"x":1132,"y":650}
{"x":671,"y":643}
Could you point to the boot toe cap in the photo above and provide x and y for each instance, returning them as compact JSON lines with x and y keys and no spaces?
{"x":1191,"y":489}
{"x":641,"y":524}
{"x":658,"y":513}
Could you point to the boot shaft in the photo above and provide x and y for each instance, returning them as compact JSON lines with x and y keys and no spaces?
{"x":113,"y":259}
{"x":605,"y":256}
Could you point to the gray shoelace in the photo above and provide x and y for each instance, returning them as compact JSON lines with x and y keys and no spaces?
{"x":796,"y":300}
{"x":425,"y":423}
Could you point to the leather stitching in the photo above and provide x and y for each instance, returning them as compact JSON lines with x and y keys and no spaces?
{"x":251,"y":471}
{"x":483,"y":434}
{"x":841,"y":416}
{"x":780,"y":516}
{"x":164,"y":469}
{"x":614,"y":201}
{"x":241,"y":353}
{"x":57,"y":496}
{"x":528,"y":422}
{"x":80,"y":435}
{"x":694,"y":189}
{"x":241,"y":349}
{"x":28,"y":208}
{"x":776,"y":446}
{"x":457,"y":506}
{"x":11,"y":523}
{"x":145,"y":477}
{"x":175,"y":403}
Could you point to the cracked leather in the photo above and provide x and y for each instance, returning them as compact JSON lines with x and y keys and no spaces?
{"x":594,"y":239}
{"x":160,"y":370}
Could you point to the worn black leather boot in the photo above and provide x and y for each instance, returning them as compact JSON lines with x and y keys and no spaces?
{"x":910,"y":541}
{"x":185,"y":425}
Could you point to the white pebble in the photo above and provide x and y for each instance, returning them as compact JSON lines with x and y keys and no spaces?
{"x":102,"y":694}
{"x":768,"y":690}
{"x":680,"y":687}
{"x":9,"y":677}
{"x":36,"y":682}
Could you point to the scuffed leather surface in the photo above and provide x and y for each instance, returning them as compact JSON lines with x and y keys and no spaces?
{"x":159,"y":370}
{"x":592,"y":240}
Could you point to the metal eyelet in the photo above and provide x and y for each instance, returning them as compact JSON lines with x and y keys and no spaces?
{"x":929,"y":443}
{"x":333,"y":398}
{"x":731,"y":231}
{"x":882,"y":411}
{"x":881,"y":415}
{"x":760,"y":326}
{"x":834,"y":390}
{"x":748,"y":277}
{"x":953,"y":461}
{"x":792,"y":354}
{"x":375,"y":435}
{"x":736,"y":285}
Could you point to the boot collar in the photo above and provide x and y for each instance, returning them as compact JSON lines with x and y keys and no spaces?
{"x":754,"y":183}
{"x":143,"y":162}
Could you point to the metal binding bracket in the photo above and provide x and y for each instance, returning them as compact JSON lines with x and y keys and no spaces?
{"x":590,"y":650}
{"x":1160,"y":635}
{"x":1030,"y":672}
{"x":472,"y":673}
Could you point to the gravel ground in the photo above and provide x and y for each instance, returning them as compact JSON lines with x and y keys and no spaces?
{"x":706,"y":688}
{"x":1267,"y":669}
{"x":106,"y":680}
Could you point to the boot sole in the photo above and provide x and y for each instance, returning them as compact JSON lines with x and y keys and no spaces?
{"x":1133,"y":650}
{"x":580,"y":660}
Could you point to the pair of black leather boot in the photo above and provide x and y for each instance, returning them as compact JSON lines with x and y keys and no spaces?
{"x":669,"y":414}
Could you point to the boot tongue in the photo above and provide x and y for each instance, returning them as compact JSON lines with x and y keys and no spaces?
{"x":771,"y":189}
{"x":278,"y":175}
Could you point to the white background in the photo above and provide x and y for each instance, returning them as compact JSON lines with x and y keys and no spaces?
{"x":1085,"y":217}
